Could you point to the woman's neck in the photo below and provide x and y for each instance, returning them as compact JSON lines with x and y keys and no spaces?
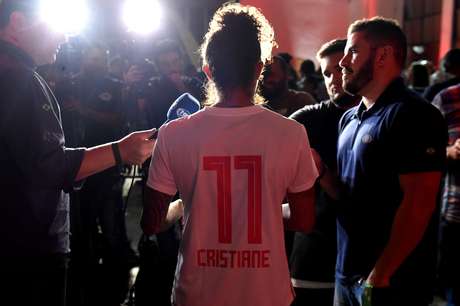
{"x":236,"y":98}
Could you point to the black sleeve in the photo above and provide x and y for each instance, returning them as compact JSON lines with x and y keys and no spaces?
{"x":419,"y":139}
{"x":429,"y":93}
{"x":33,"y":136}
{"x":300,"y":116}
{"x":308,"y":115}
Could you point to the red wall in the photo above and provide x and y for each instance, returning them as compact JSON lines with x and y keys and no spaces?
{"x":302,"y":26}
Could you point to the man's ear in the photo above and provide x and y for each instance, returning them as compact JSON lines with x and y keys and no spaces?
{"x":383,"y":54}
{"x":17,"y":21}
{"x":207,"y":71}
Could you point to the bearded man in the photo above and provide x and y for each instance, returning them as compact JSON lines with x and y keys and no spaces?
{"x":391,"y":151}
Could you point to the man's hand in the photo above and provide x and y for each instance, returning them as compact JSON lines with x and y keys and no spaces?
{"x":133,"y":75}
{"x":378,"y":281}
{"x":453,"y":151}
{"x":327,"y":179}
{"x":318,"y":162}
{"x":136,"y":147}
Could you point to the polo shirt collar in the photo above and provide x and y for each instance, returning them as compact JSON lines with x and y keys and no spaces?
{"x":392,"y":91}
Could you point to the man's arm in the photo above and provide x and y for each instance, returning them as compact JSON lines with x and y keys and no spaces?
{"x":409,"y":225}
{"x":326,"y":179}
{"x":301,"y":217}
{"x":159,"y":213}
{"x":134,"y":150}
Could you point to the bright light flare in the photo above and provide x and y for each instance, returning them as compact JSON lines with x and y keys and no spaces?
{"x":142,"y":16}
{"x":65,"y":16}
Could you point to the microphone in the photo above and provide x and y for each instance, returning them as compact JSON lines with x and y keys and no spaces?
{"x":183,"y":106}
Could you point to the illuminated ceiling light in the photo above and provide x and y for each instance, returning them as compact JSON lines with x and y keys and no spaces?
{"x":65,"y":16}
{"x":418,"y":49}
{"x":142,"y":16}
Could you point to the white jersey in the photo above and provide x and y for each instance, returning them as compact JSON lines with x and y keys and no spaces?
{"x":232,"y":168}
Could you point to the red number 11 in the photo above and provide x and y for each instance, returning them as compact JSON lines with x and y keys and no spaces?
{"x":222,"y":166}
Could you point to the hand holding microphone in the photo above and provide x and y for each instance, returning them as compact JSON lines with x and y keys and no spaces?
{"x":136,"y":147}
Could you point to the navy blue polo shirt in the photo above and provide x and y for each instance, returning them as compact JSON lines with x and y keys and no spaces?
{"x":401,"y":133}
{"x":35,"y":164}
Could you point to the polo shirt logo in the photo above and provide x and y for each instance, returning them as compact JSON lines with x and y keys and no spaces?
{"x":46,"y":107}
{"x":367,"y":139}
{"x":105,"y":96}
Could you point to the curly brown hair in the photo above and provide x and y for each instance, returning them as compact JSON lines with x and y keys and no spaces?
{"x":239,"y":37}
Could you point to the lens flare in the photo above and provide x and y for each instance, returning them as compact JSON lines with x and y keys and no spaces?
{"x":65,"y":16}
{"x":142,"y":16}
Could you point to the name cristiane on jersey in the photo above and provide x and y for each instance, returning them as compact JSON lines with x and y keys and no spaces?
{"x":219,"y":258}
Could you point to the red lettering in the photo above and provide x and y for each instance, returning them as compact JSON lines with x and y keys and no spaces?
{"x":221,"y":164}
{"x":246,"y":259}
{"x":210,"y":258}
{"x":223,"y":259}
{"x":199,"y":258}
{"x":255,"y":259}
{"x":253,"y":164}
{"x":265,"y":259}
{"x":232,"y":258}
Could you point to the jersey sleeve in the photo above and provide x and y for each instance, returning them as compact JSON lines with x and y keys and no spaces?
{"x":305,"y":173}
{"x":160,"y":174}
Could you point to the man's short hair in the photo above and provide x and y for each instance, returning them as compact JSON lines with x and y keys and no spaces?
{"x":451,"y":61}
{"x":167,"y":46}
{"x":331,"y":47}
{"x":307,"y":67}
{"x":7,"y":7}
{"x":381,"y":31}
{"x":282,"y":62}
{"x":286,"y":56}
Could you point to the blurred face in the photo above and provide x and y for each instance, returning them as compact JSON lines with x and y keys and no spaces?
{"x":332,"y":73}
{"x":37,"y":39}
{"x":95,"y":61}
{"x":357,"y":64}
{"x":275,"y":81}
{"x":170,"y":65}
{"x":117,"y":69}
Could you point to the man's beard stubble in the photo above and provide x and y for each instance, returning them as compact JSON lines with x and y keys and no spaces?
{"x":361,"y":78}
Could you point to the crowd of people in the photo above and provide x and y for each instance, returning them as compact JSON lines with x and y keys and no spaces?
{"x":331,"y":186}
